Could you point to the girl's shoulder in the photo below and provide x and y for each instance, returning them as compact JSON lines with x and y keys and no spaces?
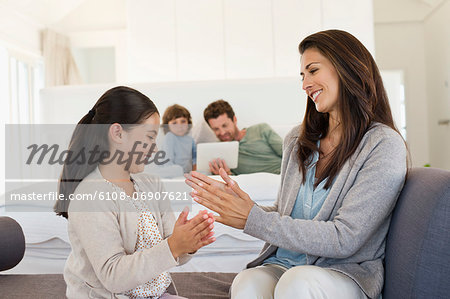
{"x":92,"y":182}
{"x":147,"y":181}
{"x":92,"y":195}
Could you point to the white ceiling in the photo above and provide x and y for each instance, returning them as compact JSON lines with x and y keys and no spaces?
{"x":43,"y":12}
{"x":396,"y":11}
{"x":82,"y":15}
{"x":71,"y":15}
{"x":95,"y":15}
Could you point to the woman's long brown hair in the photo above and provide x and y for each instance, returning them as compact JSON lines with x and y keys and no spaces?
{"x":362,"y":101}
{"x":122,"y":105}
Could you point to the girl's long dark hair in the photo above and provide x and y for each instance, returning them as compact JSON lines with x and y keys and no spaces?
{"x":122,"y":105}
{"x":362,"y":101}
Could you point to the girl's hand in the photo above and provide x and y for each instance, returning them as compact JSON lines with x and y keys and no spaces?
{"x":228,"y":200}
{"x":190,"y":235}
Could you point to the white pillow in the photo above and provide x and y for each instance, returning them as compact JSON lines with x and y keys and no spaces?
{"x":260,"y":186}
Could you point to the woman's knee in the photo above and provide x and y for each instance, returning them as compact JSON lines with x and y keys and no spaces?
{"x":301,"y":282}
{"x":316,"y":282}
{"x":253,"y":283}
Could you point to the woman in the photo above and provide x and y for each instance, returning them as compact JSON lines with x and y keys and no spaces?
{"x":342,"y":171}
{"x":123,"y":242}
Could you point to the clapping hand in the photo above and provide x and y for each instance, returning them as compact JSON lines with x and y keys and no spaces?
{"x":190,"y":235}
{"x":228,"y":200}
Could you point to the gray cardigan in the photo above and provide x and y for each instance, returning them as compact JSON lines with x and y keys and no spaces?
{"x":349,"y":232}
{"x":103,"y":233}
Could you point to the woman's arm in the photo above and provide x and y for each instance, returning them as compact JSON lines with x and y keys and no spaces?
{"x":368,"y":203}
{"x":365,"y":207}
{"x":273,"y":208}
{"x":195,"y":178}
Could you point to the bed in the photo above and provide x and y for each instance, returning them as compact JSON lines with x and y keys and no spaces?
{"x":254,"y":101}
{"x":48,"y":246}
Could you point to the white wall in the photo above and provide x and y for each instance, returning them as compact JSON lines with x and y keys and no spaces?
{"x":96,"y":65}
{"x":98,"y":24}
{"x":354,"y":16}
{"x":277,"y":101}
{"x":422,"y":50}
{"x":437,"y":59}
{"x":401,"y":46}
{"x":92,"y":15}
{"x":104,"y":38}
{"x":231,"y":39}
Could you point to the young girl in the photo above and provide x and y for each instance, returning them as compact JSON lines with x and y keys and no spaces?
{"x":123,"y":240}
{"x":178,"y":144}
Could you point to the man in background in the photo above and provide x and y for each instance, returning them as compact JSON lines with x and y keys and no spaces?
{"x":260,"y":148}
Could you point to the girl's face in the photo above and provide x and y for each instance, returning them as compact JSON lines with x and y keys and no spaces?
{"x":179,"y":126}
{"x":140,"y":141}
{"x":320,"y":81}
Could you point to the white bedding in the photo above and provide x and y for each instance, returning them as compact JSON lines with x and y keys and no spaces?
{"x":47,"y":242}
{"x":39,"y":227}
{"x":54,"y":248}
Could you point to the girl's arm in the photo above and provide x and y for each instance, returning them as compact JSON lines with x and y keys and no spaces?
{"x":168,"y":223}
{"x":100,"y":238}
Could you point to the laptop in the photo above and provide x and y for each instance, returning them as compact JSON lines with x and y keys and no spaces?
{"x":206,"y":152}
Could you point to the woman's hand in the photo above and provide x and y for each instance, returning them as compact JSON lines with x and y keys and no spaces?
{"x":205,"y":179}
{"x":190,"y":235}
{"x":228,"y":200}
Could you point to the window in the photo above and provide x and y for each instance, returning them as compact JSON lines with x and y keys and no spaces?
{"x":25,"y":78}
{"x":4,"y":84}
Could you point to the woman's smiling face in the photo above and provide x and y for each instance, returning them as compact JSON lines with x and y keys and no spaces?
{"x":320,"y":81}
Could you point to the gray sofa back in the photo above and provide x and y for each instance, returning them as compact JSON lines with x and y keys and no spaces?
{"x":418,"y":242}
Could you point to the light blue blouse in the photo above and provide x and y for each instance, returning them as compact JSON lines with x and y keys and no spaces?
{"x":307,"y":205}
